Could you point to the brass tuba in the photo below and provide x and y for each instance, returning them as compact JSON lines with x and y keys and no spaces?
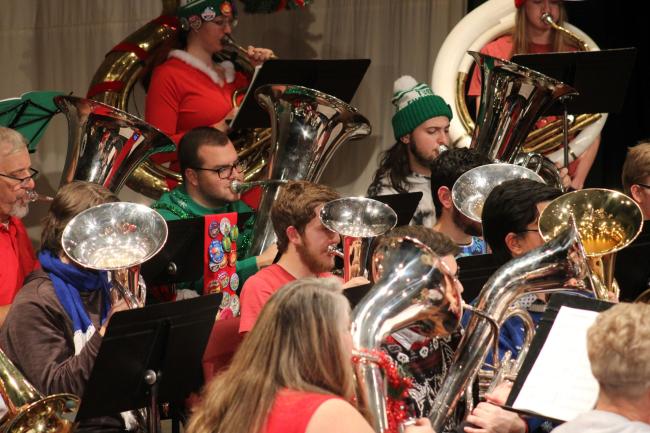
{"x":411,"y":285}
{"x":358,"y":221}
{"x":105,"y":145}
{"x":512,"y":99}
{"x":116,"y":237}
{"x":307,"y":127}
{"x":27,"y":409}
{"x":607,"y":220}
{"x":560,"y":263}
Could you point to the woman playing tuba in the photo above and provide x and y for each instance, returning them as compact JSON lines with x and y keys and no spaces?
{"x":533,"y":34}
{"x":189,"y":89}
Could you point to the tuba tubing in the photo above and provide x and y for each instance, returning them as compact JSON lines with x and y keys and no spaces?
{"x":547,"y":268}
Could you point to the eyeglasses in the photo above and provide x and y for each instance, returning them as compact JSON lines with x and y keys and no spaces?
{"x":225,"y":171}
{"x":223,"y":22}
{"x":528,"y":230}
{"x":643,"y":185}
{"x":23,"y":181}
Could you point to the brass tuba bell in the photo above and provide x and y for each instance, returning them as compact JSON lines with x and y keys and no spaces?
{"x":116,"y":237}
{"x":607,"y":221}
{"x":27,"y":409}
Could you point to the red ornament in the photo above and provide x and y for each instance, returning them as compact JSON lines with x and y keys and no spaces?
{"x":399,"y":386}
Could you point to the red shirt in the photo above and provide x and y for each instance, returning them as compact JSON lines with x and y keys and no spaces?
{"x":182,"y":97}
{"x":258,"y":289}
{"x":292,"y":411}
{"x":17,"y":259}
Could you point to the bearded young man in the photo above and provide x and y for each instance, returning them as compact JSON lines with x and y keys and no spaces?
{"x":16,"y":252}
{"x":303,"y":242}
{"x":421,"y":127}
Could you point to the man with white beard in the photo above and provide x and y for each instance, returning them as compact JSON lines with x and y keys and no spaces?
{"x":16,"y":253}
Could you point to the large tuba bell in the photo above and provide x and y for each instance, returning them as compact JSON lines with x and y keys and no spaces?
{"x":473,"y":187}
{"x":307,"y":126}
{"x":27,"y":409}
{"x":559,"y":263}
{"x":105,"y":144}
{"x":116,"y":237}
{"x":607,"y":220}
{"x":512,"y":99}
{"x":411,"y":285}
{"x":358,"y":221}
{"x":488,"y":21}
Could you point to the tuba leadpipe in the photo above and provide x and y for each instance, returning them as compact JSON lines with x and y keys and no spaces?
{"x":237,"y":186}
{"x":547,"y":18}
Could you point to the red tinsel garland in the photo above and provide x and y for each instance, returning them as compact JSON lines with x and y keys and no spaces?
{"x":398,"y":386}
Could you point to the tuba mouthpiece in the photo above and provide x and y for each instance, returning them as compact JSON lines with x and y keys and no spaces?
{"x":33,"y":196}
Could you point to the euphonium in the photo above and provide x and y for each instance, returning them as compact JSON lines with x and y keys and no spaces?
{"x":473,"y":187}
{"x":105,"y":144}
{"x":27,"y":409}
{"x":412,"y":285}
{"x":358,"y":221}
{"x":559,"y":263}
{"x":607,"y":220}
{"x":512,"y":99}
{"x":116,"y":237}
{"x":307,"y":126}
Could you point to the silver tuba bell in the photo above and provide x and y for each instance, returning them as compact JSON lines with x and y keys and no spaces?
{"x":357,"y":220}
{"x":513,"y":97}
{"x":473,"y":187}
{"x":554,"y":266}
{"x":105,"y":145}
{"x":116,"y":237}
{"x":412,"y":285}
{"x":307,"y":126}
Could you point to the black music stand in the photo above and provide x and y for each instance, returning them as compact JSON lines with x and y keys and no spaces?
{"x":587,"y":72}
{"x":339,"y":78}
{"x":150,"y":355}
{"x":556,"y":301}
{"x":473,"y":273}
{"x":404,"y":205}
{"x":181,"y":258}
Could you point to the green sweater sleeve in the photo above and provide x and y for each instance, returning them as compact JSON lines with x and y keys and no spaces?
{"x":246,"y":268}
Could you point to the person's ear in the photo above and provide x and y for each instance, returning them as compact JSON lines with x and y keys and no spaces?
{"x":513,"y":243}
{"x":444,"y":195}
{"x":635,"y":192}
{"x":293,"y":235}
{"x":191,"y":177}
{"x":406,"y":139}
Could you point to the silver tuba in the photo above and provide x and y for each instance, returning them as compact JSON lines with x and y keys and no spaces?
{"x":116,"y":237}
{"x":358,"y":221}
{"x":105,"y":144}
{"x":411,"y":285}
{"x":472,"y":188}
{"x":512,"y":99}
{"x":560,"y":263}
{"x":308,"y":126}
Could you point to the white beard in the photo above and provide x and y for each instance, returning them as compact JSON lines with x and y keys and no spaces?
{"x":20,"y":210}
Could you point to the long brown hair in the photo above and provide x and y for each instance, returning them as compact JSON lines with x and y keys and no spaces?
{"x":520,"y":40}
{"x":296,"y":343}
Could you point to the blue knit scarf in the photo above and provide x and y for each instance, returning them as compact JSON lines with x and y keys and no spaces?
{"x":68,"y":281}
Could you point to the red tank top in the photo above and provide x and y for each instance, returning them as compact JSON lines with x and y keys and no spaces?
{"x":292,"y":411}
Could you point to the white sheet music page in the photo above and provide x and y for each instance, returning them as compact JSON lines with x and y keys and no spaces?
{"x":560,"y":384}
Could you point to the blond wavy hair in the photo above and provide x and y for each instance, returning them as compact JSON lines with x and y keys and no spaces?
{"x":618,"y":344}
{"x":296,"y":343}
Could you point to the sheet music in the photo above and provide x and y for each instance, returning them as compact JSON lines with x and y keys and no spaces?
{"x":560,"y":384}
{"x":250,"y":86}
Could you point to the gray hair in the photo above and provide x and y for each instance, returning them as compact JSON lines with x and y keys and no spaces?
{"x":11,"y":141}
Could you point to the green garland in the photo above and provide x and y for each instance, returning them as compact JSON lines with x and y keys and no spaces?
{"x":269,"y":6}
